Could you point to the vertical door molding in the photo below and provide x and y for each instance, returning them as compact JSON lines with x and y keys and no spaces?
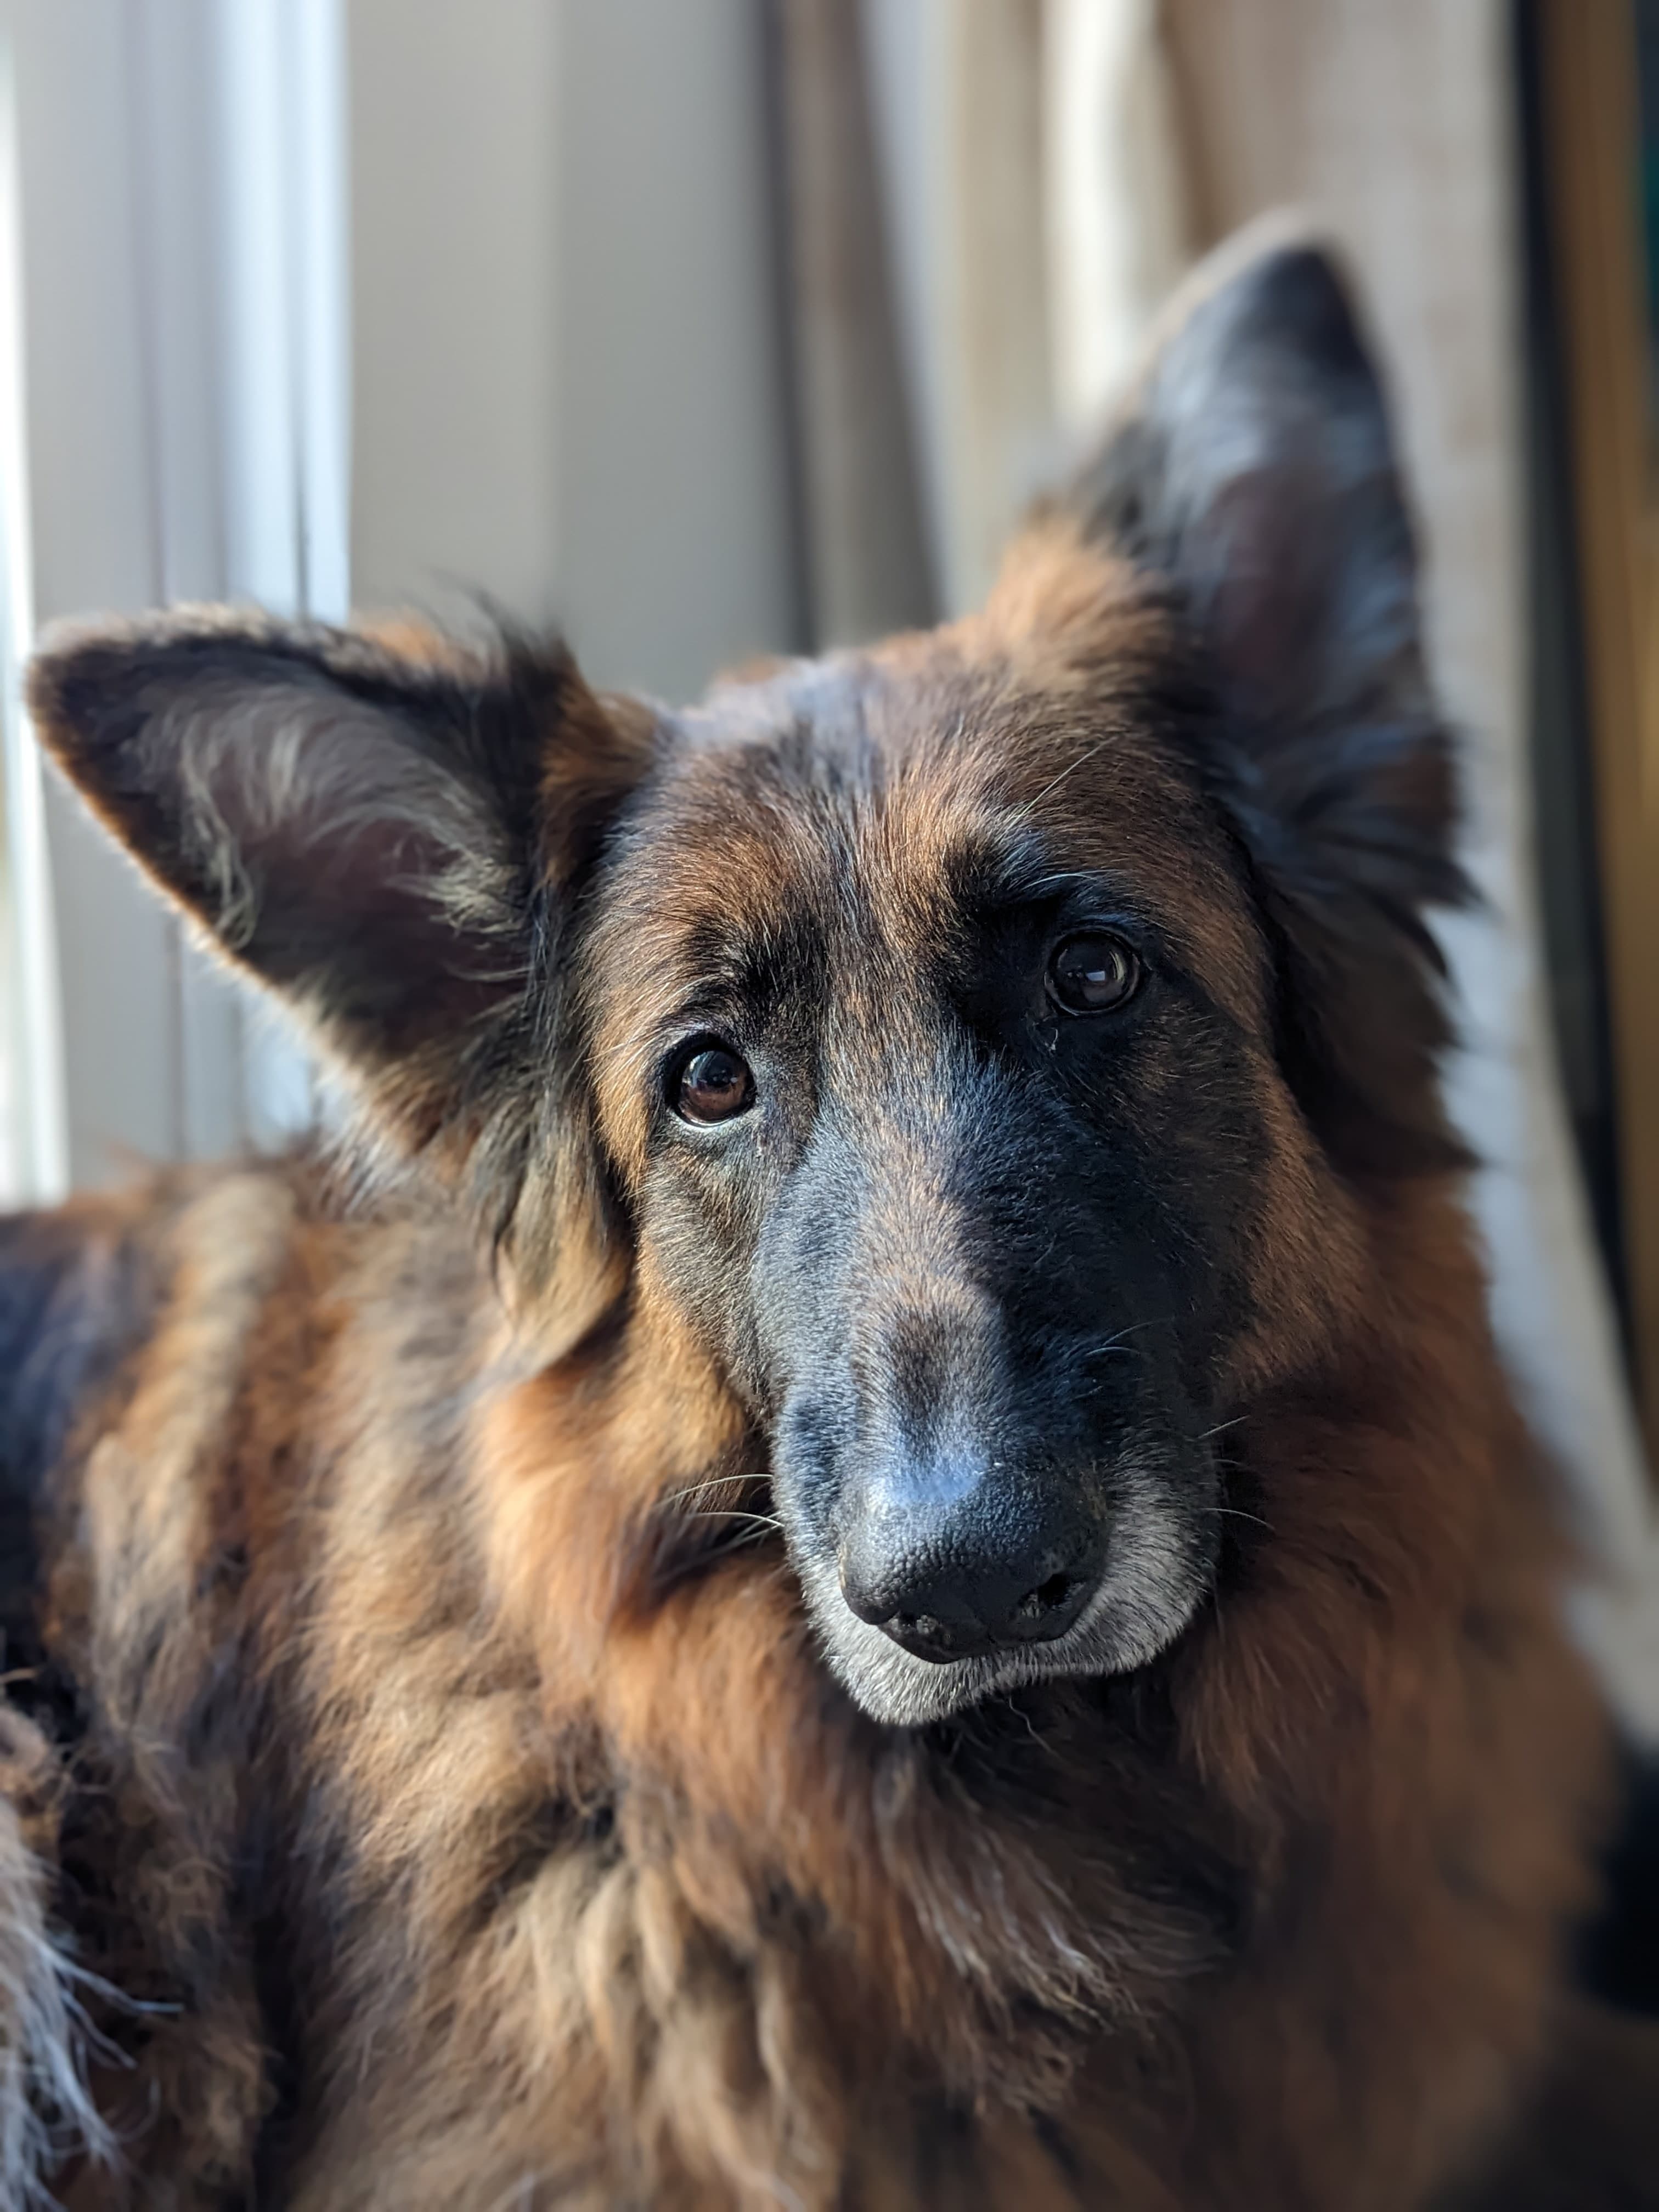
{"x":1589,"y":82}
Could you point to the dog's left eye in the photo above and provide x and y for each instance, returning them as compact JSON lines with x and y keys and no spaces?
{"x":1092,"y":973}
{"x":713,"y":1083}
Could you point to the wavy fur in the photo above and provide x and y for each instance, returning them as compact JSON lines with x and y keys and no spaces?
{"x":479,"y":1790}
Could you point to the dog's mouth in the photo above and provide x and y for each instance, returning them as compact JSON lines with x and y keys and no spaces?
{"x":905,"y":1690}
{"x":1159,"y":1569}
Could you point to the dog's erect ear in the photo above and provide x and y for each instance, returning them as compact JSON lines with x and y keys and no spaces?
{"x":1253,"y":466}
{"x":386,"y":833}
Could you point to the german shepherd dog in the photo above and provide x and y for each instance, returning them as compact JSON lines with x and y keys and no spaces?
{"x":864,"y":1549}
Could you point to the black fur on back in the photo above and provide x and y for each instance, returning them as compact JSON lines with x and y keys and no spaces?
{"x":73,"y":1297}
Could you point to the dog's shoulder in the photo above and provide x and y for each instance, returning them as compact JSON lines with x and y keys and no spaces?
{"x":99,"y":1297}
{"x":79,"y":1286}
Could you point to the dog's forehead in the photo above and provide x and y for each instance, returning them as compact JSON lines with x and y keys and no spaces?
{"x":813,"y":837}
{"x":880,"y":790}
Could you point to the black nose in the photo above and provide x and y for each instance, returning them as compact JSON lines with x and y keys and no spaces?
{"x":944,"y":1600}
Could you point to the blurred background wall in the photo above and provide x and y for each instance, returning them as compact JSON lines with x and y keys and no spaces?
{"x":712,"y":327}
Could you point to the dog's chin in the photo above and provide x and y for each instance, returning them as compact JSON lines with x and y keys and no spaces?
{"x":1141,"y":1607}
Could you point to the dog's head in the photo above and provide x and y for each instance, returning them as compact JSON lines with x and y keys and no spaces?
{"x":976,"y":1043}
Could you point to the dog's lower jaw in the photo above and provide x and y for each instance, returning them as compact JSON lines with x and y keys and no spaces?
{"x":1160,"y":1574}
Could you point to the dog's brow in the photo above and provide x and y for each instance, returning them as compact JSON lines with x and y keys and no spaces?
{"x":1008,"y":866}
{"x":748,"y":959}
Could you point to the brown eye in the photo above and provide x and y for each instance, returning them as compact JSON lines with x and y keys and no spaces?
{"x":1092,"y":973}
{"x":713,"y":1085}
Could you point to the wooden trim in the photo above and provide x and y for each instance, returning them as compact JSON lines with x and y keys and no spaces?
{"x":1587,"y":65}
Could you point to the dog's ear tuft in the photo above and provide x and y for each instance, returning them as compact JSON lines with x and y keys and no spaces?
{"x":1253,"y":468}
{"x":386,"y":832}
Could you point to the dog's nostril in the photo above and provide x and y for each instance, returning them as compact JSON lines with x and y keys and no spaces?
{"x":929,"y":1637}
{"x":1037,"y":1607}
{"x":954,"y":1587}
{"x":958,"y":1628}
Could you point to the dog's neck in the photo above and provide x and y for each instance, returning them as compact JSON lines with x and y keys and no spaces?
{"x":1003,"y":1865}
{"x":669,"y":1784}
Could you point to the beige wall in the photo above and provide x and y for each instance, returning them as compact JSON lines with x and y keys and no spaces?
{"x":566,"y":390}
{"x":452,"y":244}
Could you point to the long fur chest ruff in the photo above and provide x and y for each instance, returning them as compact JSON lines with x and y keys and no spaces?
{"x":463,"y":1826}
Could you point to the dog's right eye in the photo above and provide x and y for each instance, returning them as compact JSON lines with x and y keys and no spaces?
{"x":711,"y":1084}
{"x":1092,"y":973}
